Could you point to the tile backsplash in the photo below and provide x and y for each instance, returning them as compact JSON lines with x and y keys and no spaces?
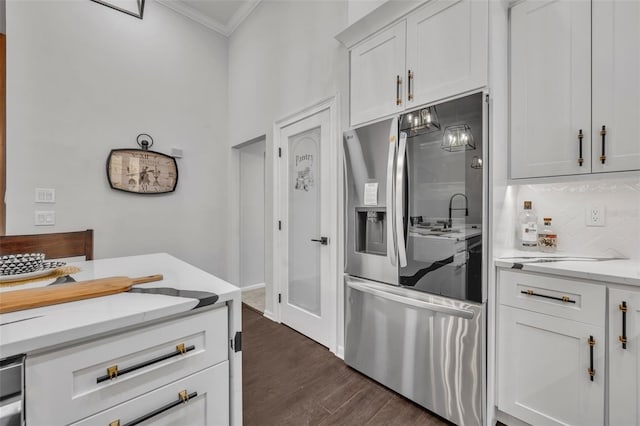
{"x":567,"y":202}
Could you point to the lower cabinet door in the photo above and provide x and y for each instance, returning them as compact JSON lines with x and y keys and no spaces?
{"x":624,"y":357}
{"x":544,"y":365}
{"x":201,"y":399}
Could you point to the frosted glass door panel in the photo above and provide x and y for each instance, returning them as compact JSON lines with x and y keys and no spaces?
{"x":304,"y":221}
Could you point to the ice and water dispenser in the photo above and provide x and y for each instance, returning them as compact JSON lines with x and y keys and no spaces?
{"x":371,"y":235}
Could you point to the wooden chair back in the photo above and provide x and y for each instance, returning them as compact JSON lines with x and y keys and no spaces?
{"x":54,"y":246}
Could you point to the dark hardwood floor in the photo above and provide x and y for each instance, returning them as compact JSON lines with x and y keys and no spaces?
{"x":288,"y":379}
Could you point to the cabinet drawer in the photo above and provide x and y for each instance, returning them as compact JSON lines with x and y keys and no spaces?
{"x":207,"y":405}
{"x":560,"y":297}
{"x":73,"y":383}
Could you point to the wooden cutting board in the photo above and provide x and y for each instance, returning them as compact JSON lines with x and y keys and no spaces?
{"x":18,"y":300}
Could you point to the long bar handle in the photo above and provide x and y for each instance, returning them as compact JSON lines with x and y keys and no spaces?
{"x":591,"y":342}
{"x":409,"y":81}
{"x":398,"y":83}
{"x":580,"y":137}
{"x":183,"y":397}
{"x":449,"y":310}
{"x":623,"y":339}
{"x":603,"y":133}
{"x":565,"y":299}
{"x":402,"y":251}
{"x":113,"y":371}
{"x":392,"y":247}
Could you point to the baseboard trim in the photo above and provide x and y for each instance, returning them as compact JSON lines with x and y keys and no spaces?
{"x":340,"y":352}
{"x":269,"y":315}
{"x":252,"y":287}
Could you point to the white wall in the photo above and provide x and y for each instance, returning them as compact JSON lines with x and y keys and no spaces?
{"x":359,"y":8}
{"x":83,"y":79}
{"x":252,"y":213}
{"x":282,"y":59}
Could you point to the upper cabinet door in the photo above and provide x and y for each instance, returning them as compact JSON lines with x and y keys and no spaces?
{"x":447,"y":50}
{"x":550,"y":88}
{"x":377,"y":75}
{"x":616,"y":85}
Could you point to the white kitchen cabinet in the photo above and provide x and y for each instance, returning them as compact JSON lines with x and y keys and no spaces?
{"x":544,"y":362}
{"x":575,"y":70}
{"x":438,"y":51}
{"x":198,"y":400}
{"x":447,"y":50}
{"x":550,"y":88}
{"x":616,"y":85}
{"x":544,"y":359}
{"x":377,"y":75}
{"x":68,"y":384}
{"x":624,"y":361}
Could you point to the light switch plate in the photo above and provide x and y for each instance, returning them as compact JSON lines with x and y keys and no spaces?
{"x":45,"y":195}
{"x":44,"y":218}
{"x":595,"y":215}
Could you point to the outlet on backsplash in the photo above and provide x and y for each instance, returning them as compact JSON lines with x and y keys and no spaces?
{"x":595,"y":215}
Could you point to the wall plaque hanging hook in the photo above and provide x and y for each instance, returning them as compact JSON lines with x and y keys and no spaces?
{"x":145,"y":141}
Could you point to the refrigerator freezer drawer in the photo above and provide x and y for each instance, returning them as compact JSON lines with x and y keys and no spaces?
{"x":427,"y":348}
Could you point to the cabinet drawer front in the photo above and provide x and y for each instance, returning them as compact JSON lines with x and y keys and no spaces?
{"x":560,"y":297}
{"x":208,"y":403}
{"x":74,"y":383}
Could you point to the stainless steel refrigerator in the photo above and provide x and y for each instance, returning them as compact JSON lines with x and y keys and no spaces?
{"x":415,"y":278}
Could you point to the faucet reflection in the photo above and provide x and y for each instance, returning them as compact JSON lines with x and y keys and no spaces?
{"x":465,"y":208}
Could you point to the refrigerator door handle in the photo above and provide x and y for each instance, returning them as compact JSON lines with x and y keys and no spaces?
{"x":392,"y":248}
{"x":436,"y":307}
{"x":397,"y":211}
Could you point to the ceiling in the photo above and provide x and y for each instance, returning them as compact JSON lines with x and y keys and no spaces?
{"x":223,"y":16}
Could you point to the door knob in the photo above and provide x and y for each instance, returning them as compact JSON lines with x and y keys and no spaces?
{"x":323,"y":240}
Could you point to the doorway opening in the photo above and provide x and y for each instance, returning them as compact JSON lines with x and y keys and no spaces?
{"x":252,"y":223}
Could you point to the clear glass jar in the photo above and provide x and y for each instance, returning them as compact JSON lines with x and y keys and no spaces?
{"x":547,"y":238}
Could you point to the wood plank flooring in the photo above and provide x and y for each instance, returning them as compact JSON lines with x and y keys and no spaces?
{"x":288,"y":379}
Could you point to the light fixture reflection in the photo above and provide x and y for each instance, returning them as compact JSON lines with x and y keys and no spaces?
{"x":457,"y":138}
{"x":476,"y":162}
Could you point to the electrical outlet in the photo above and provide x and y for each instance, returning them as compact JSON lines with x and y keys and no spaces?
{"x":44,"y":218}
{"x":595,"y":215}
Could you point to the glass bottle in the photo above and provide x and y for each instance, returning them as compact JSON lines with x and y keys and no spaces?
{"x":528,"y":228}
{"x":547,"y":238}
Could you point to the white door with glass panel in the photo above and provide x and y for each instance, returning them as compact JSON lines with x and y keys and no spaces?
{"x":303,"y":243}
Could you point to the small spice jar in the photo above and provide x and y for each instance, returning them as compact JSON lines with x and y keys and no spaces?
{"x":547,"y":238}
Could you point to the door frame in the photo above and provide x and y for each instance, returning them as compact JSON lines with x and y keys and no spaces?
{"x":279,"y":272}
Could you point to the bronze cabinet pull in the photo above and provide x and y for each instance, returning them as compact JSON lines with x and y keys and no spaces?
{"x":603,"y":133}
{"x":113,"y":371}
{"x":623,"y":339}
{"x":565,"y":299}
{"x":183,"y":398}
{"x":591,"y":342}
{"x":398,"y":83}
{"x":409,"y":80}
{"x":580,"y":136}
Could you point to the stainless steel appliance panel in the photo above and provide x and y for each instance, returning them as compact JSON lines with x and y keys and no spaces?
{"x":371,"y":248}
{"x":425,"y":347}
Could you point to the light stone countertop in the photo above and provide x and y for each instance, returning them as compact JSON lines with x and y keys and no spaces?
{"x":36,"y":329}
{"x":614,"y":271}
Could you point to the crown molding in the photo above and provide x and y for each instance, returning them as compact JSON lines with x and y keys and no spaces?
{"x":241,"y":14}
{"x":226,"y":30}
